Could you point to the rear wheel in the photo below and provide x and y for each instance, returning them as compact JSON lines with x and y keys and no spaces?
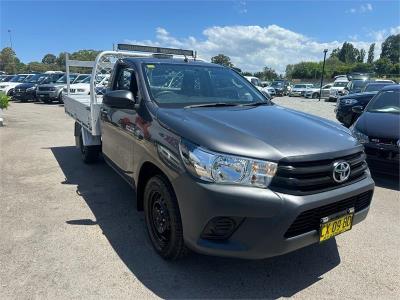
{"x":163,"y":219}
{"x":90,"y":154}
{"x":315,"y":95}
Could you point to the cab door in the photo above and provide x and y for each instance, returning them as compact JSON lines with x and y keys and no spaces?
{"x":117,"y":124}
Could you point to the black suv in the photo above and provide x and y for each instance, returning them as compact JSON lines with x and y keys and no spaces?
{"x":27,"y":90}
{"x":344,"y":112}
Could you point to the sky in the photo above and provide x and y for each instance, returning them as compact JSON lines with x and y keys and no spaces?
{"x":253,"y":33}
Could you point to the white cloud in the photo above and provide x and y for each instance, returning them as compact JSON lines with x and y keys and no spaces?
{"x":363,"y":8}
{"x":253,"y":47}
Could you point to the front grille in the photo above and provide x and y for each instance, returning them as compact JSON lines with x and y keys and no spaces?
{"x":309,"y":177}
{"x":310,"y":220}
{"x":44,"y":88}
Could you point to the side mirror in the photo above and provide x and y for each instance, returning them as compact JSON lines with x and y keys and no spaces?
{"x":357,"y":109}
{"x":120,"y":99}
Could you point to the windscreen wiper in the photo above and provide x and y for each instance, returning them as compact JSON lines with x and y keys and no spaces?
{"x":214,"y":104}
{"x":256,"y":104}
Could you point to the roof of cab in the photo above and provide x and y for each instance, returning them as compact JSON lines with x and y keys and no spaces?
{"x":152,"y":60}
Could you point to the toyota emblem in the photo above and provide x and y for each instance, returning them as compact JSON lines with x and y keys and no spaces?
{"x":341,"y":171}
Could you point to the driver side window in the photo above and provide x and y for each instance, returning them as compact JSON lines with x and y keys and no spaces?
{"x":126,"y":80}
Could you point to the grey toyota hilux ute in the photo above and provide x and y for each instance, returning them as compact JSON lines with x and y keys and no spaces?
{"x":221,"y":170}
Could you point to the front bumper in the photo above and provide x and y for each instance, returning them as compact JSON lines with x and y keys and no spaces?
{"x":267,"y":216}
{"x":46,"y":95}
{"x":24,"y":95}
{"x":383,"y":159}
{"x":296,"y":94}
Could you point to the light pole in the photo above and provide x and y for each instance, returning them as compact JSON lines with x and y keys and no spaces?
{"x":9,"y":32}
{"x":322,"y":75}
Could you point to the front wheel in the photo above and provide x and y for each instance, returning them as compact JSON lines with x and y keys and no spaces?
{"x":315,"y":95}
{"x":163,"y":219}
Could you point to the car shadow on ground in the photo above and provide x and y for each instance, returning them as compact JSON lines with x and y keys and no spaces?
{"x":112,"y":202}
{"x":385,"y":181}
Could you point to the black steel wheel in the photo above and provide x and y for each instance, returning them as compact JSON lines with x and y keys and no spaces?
{"x":163,"y":219}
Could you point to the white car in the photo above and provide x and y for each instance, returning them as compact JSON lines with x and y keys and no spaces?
{"x":83,"y":87}
{"x":300,"y":89}
{"x":257,"y":83}
{"x":314,"y":92}
{"x":8,"y":87}
{"x":337,"y":88}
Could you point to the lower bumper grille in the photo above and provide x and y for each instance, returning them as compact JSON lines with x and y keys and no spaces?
{"x":310,"y":220}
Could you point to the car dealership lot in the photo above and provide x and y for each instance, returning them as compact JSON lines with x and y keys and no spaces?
{"x":71,"y":230}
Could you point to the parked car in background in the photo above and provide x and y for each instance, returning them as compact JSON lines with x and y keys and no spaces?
{"x":82,"y":87}
{"x":27,"y":90}
{"x":378,"y":129}
{"x":344,"y":105}
{"x":355,"y":86}
{"x":300,"y":89}
{"x":52,"y":92}
{"x":257,"y":83}
{"x":7,"y":87}
{"x":338,"y":88}
{"x":314,"y":92}
{"x":282,"y":87}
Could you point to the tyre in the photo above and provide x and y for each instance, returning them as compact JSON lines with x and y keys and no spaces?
{"x":315,"y":95}
{"x":90,"y":154}
{"x":10,"y":92}
{"x":163,"y":219}
{"x":60,"y":98}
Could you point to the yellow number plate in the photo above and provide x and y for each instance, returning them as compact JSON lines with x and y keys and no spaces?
{"x":337,"y":226}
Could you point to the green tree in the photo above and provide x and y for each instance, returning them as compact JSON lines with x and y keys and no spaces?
{"x":371,"y":51}
{"x":36,"y":66}
{"x":361,"y":56}
{"x":222,"y":59}
{"x":245,"y":73}
{"x":383,"y":66}
{"x":348,"y":53}
{"x":49,"y":59}
{"x":391,"y":48}
{"x":8,"y":60}
{"x":60,"y":61}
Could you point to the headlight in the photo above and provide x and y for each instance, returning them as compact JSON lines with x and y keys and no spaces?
{"x":2,"y":86}
{"x":361,"y":137}
{"x":226,"y":169}
{"x":31,"y":89}
{"x":349,"y":101}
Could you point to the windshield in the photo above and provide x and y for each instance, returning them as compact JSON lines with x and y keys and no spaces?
{"x":36,"y":78}
{"x":299,"y":86}
{"x":18,"y":78}
{"x":385,"y":102}
{"x":86,"y":80}
{"x":340,"y":84}
{"x":277,"y":83}
{"x":81,"y":78}
{"x":374,"y":87}
{"x":63,"y":79}
{"x":8,"y":78}
{"x":178,"y":85}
